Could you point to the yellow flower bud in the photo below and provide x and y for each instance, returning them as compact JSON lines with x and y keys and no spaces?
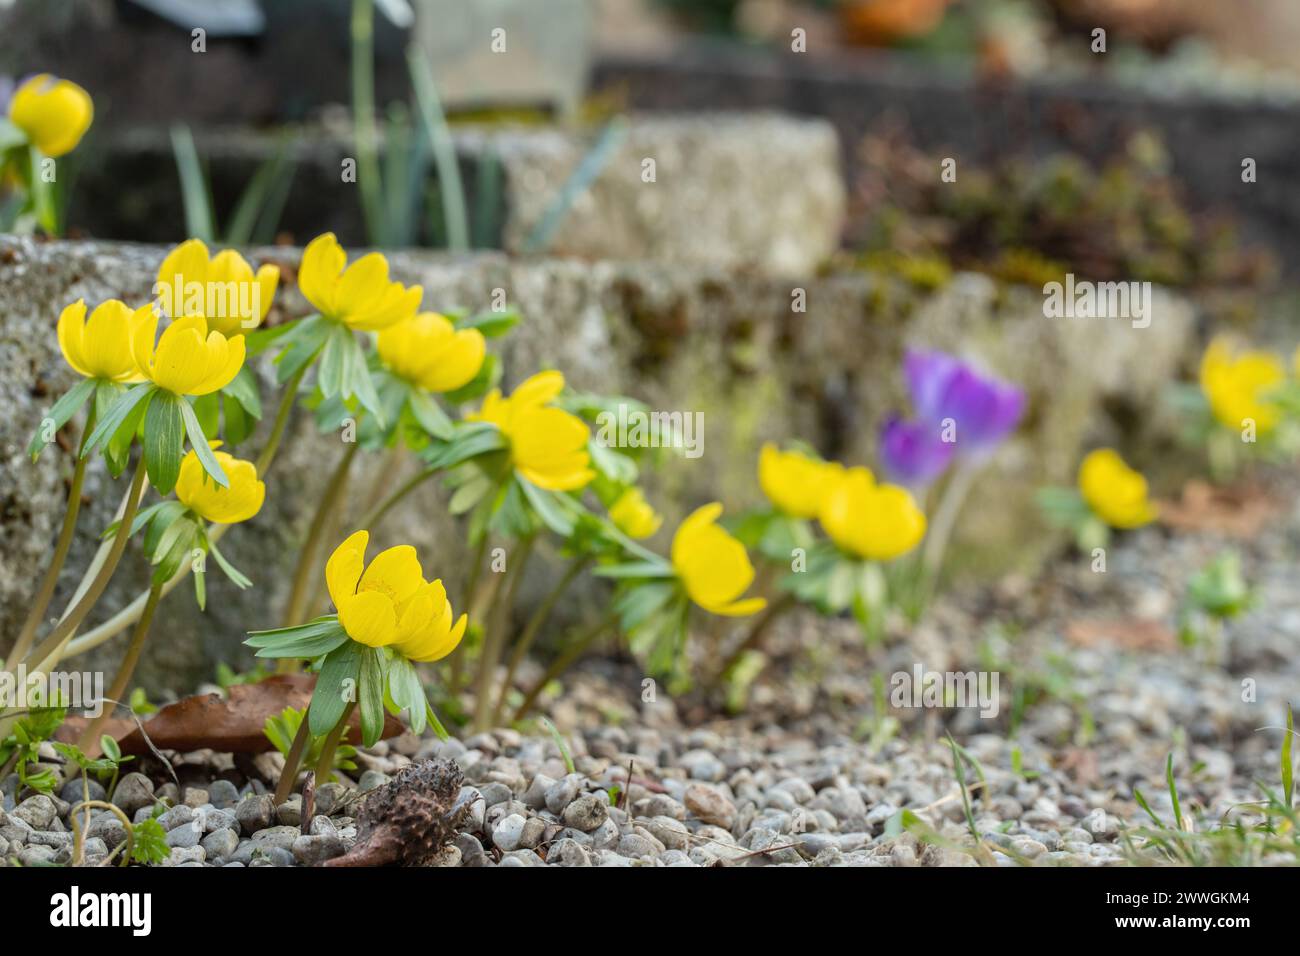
{"x":548,"y":446}
{"x":632,"y":515}
{"x":361,"y":296}
{"x":100,"y":347}
{"x":713,"y":566}
{"x":428,"y":351}
{"x":388,"y":603}
{"x":238,"y":502}
{"x":878,"y":522}
{"x":793,"y":482}
{"x":1115,"y":492}
{"x":54,"y":113}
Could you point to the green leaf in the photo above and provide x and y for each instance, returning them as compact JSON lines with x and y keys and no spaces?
{"x":356,"y":379}
{"x":470,"y":441}
{"x":58,"y":416}
{"x":150,"y":842}
{"x":110,"y":748}
{"x":435,"y":723}
{"x":1173,"y":792}
{"x":636,"y":569}
{"x":201,"y":590}
{"x":239,"y":423}
{"x":207,"y":408}
{"x":640,"y":602}
{"x":549,"y":507}
{"x":237,"y":577}
{"x":408,"y":692}
{"x":1288,"y":789}
{"x":164,"y":440}
{"x":430,"y":416}
{"x":370,"y":690}
{"x":329,"y":375}
{"x":331,"y":696}
{"x":199,"y":442}
{"x":117,"y":414}
{"x":243,"y":389}
{"x":321,"y":636}
{"x":197,"y":200}
{"x":491,"y":324}
{"x":301,"y":345}
{"x":560,"y":744}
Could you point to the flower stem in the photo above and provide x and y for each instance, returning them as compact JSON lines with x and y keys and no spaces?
{"x":77,"y":613}
{"x":941,"y":528}
{"x":117,"y":690}
{"x":293,"y":761}
{"x":302,"y":575}
{"x":456,"y":678}
{"x":531,"y":629}
{"x":376,"y":514}
{"x":494,"y":637}
{"x":272,"y":445}
{"x":124,"y":618}
{"x":774,"y":610}
{"x":46,"y":590}
{"x":325,"y":764}
{"x":563,"y":663}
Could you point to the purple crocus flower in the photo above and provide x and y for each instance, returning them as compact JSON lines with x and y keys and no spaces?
{"x":913,"y":452}
{"x":983,"y":409}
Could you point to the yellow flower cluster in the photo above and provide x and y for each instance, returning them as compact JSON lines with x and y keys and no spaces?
{"x":388,"y":603}
{"x":868,"y":519}
{"x":548,"y":446}
{"x":223,"y":289}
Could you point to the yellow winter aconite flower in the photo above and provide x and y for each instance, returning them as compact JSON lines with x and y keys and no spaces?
{"x":428,"y":351}
{"x":1115,"y":492}
{"x":713,"y":566}
{"x":239,"y":502}
{"x":221,"y":288}
{"x":100,"y":347}
{"x":54,"y":113}
{"x":361,"y":296}
{"x":1236,"y":385}
{"x":874,"y":521}
{"x":388,"y":603}
{"x":548,"y":446}
{"x":795,"y":483}
{"x":188,"y":359}
{"x":632,"y":515}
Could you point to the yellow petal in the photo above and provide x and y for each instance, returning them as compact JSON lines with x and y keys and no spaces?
{"x":184,"y":265}
{"x":106,"y":342}
{"x":318,"y":274}
{"x":369,"y":618}
{"x":344,"y":567}
{"x":395,"y":572}
{"x":225,"y":359}
{"x":688,"y":531}
{"x":70,"y":331}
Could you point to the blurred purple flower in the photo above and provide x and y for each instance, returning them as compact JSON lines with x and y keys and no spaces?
{"x":984,"y":409}
{"x":913,"y":452}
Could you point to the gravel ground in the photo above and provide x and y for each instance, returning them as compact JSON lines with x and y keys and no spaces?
{"x":1096,"y":692}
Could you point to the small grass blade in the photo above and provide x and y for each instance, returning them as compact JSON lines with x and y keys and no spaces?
{"x":559,"y":742}
{"x":194,"y":185}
